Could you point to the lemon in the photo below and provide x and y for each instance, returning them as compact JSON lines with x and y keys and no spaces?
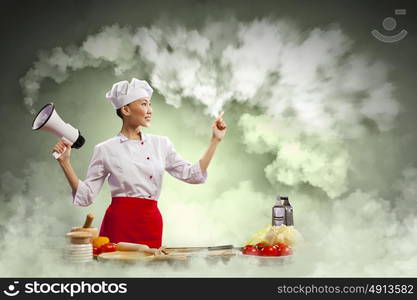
{"x":101,"y":240}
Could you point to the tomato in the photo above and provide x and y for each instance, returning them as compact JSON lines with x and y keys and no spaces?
{"x":96,"y":250}
{"x":285,"y":250}
{"x":271,"y":251}
{"x":279,"y":248}
{"x":259,"y":246}
{"x":108,"y":247}
{"x":250,"y":250}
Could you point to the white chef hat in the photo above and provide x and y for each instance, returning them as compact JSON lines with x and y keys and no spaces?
{"x":123,"y":92}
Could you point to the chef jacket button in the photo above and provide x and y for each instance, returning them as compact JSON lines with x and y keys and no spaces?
{"x":150,"y":196}
{"x":148,"y":158}
{"x":150,"y":177}
{"x":142,"y":143}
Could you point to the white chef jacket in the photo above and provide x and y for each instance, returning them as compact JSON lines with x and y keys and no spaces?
{"x":134,"y":168}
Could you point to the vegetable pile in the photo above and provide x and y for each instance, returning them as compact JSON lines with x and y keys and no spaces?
{"x":102,"y":244}
{"x":273,"y":241}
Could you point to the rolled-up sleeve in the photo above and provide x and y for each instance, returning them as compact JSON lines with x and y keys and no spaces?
{"x":181,"y":169}
{"x":88,"y":189}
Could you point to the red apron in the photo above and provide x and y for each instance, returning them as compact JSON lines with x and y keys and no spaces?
{"x":133,"y":220}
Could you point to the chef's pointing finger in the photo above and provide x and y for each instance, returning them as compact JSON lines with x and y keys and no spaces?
{"x":220,"y":116}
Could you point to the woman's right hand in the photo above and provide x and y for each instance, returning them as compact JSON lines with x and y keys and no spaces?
{"x":60,"y":147}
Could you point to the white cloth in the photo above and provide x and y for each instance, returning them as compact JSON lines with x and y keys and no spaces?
{"x":123,"y":92}
{"x":134,"y":168}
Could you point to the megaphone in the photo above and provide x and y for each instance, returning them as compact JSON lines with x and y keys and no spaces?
{"x":49,"y":120}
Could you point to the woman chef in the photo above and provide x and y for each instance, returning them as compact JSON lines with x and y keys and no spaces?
{"x":134,"y":163}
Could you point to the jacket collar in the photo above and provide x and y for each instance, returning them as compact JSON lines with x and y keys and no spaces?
{"x":123,"y":138}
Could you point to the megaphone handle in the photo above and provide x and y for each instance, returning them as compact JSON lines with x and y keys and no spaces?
{"x":57,"y":155}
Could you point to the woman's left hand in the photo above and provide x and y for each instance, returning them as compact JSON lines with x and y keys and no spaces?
{"x":219,"y":127}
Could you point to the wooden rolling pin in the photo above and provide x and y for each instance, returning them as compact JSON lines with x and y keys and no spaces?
{"x":123,"y":246}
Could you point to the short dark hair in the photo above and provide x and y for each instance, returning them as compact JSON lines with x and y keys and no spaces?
{"x":119,"y":112}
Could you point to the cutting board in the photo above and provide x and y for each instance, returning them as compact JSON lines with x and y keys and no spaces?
{"x":173,"y":254}
{"x":136,"y":256}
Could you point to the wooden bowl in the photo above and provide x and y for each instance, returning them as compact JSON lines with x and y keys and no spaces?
{"x":92,"y":230}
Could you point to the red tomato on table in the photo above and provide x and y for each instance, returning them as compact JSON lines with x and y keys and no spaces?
{"x":285,"y":250}
{"x":260,"y":246}
{"x":108,"y":247}
{"x":250,"y":250}
{"x":96,"y":250}
{"x":271,"y":251}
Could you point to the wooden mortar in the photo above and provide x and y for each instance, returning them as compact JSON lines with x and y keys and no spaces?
{"x":79,"y":237}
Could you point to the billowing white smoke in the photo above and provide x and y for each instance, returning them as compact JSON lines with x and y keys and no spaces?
{"x":312,"y":92}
